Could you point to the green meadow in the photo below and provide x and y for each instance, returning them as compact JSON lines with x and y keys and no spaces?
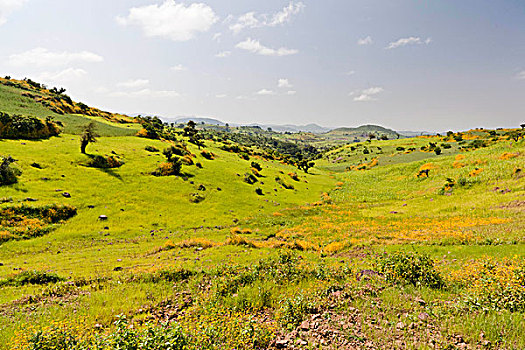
{"x":382,"y":244}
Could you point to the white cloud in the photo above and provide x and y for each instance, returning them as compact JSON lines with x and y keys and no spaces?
{"x":223,"y":54}
{"x":367,"y":94}
{"x":64,"y":76}
{"x":350,"y":72}
{"x":41,"y":57}
{"x":408,"y":41}
{"x":217,"y":37}
{"x":255,"y":46}
{"x":171,"y":20}
{"x":178,"y":68}
{"x":291,"y":92}
{"x":365,"y":41}
{"x":265,"y":92}
{"x":133,"y":83}
{"x":284,"y":83}
{"x":7,"y":7}
{"x":252,"y":20}
{"x":221,"y":95}
{"x":521,"y":75}
{"x":148,"y":93}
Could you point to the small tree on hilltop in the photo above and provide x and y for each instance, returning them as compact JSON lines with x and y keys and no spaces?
{"x":88,"y":136}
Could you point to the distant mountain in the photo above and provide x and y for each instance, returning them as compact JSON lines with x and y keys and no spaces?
{"x":313,"y":128}
{"x":364,"y":130}
{"x":209,"y":121}
{"x":415,"y":133}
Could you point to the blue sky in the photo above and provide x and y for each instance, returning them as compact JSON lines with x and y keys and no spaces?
{"x":408,"y":65}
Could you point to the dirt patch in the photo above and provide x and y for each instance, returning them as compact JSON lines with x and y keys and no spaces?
{"x":514,"y":205}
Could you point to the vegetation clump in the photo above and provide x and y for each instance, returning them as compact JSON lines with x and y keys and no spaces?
{"x":31,"y":277}
{"x":23,"y":222}
{"x":25,"y":127}
{"x":8,"y":173}
{"x":410,"y":268}
{"x":98,"y":161}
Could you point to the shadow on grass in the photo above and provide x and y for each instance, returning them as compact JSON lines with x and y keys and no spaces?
{"x":111,"y":172}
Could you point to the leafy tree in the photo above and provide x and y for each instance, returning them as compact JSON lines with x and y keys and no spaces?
{"x":88,"y":136}
{"x":305,"y":165}
{"x":8,"y":175}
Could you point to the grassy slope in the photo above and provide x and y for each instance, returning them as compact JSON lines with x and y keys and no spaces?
{"x":384,"y":208}
{"x":12,"y":102}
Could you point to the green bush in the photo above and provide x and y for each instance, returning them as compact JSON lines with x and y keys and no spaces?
{"x":97,"y":161}
{"x":294,"y":310}
{"x":151,"y":149}
{"x":250,"y":178}
{"x":31,"y":277}
{"x":25,"y":127}
{"x":8,"y":174}
{"x":410,"y":268}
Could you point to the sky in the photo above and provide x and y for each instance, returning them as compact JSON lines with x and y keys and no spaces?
{"x":430,"y":65}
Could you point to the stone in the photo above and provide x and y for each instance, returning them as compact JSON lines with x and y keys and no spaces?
{"x":281,"y":344}
{"x":66,"y":195}
{"x":118,"y":268}
{"x":305,"y":325}
{"x":102,"y":217}
{"x":423,"y":316}
{"x":400,"y":325}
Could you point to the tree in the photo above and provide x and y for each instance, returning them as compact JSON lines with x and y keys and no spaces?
{"x":522,"y":126}
{"x":8,"y":174}
{"x":88,"y":136}
{"x":305,"y":165}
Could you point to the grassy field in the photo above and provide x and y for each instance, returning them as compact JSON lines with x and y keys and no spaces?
{"x":358,"y":254}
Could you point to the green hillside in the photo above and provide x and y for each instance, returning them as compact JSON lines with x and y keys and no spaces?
{"x":398,"y":246}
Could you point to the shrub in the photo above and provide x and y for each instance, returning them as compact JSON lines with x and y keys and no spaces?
{"x":25,"y":127}
{"x":196,"y":197}
{"x":151,"y":149}
{"x":256,"y":166}
{"x":259,"y":191}
{"x":31,"y":277}
{"x":208,"y":155}
{"x":294,"y":176}
{"x":186,"y":160}
{"x":437,"y":151}
{"x":8,"y":174}
{"x":97,"y":161}
{"x":284,"y":184}
{"x":250,"y":178}
{"x":294,"y":310}
{"x":168,"y":169}
{"x":410,"y":268}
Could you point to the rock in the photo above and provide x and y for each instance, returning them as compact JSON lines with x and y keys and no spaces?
{"x":1,"y":264}
{"x":66,"y":195}
{"x":420,"y":301}
{"x":29,"y":199}
{"x":281,"y":344}
{"x":305,"y":326}
{"x":201,"y":188}
{"x":102,"y":217}
{"x":91,"y":206}
{"x":400,"y":325}
{"x":423,"y":316}
{"x":219,"y":189}
{"x":118,"y":268}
